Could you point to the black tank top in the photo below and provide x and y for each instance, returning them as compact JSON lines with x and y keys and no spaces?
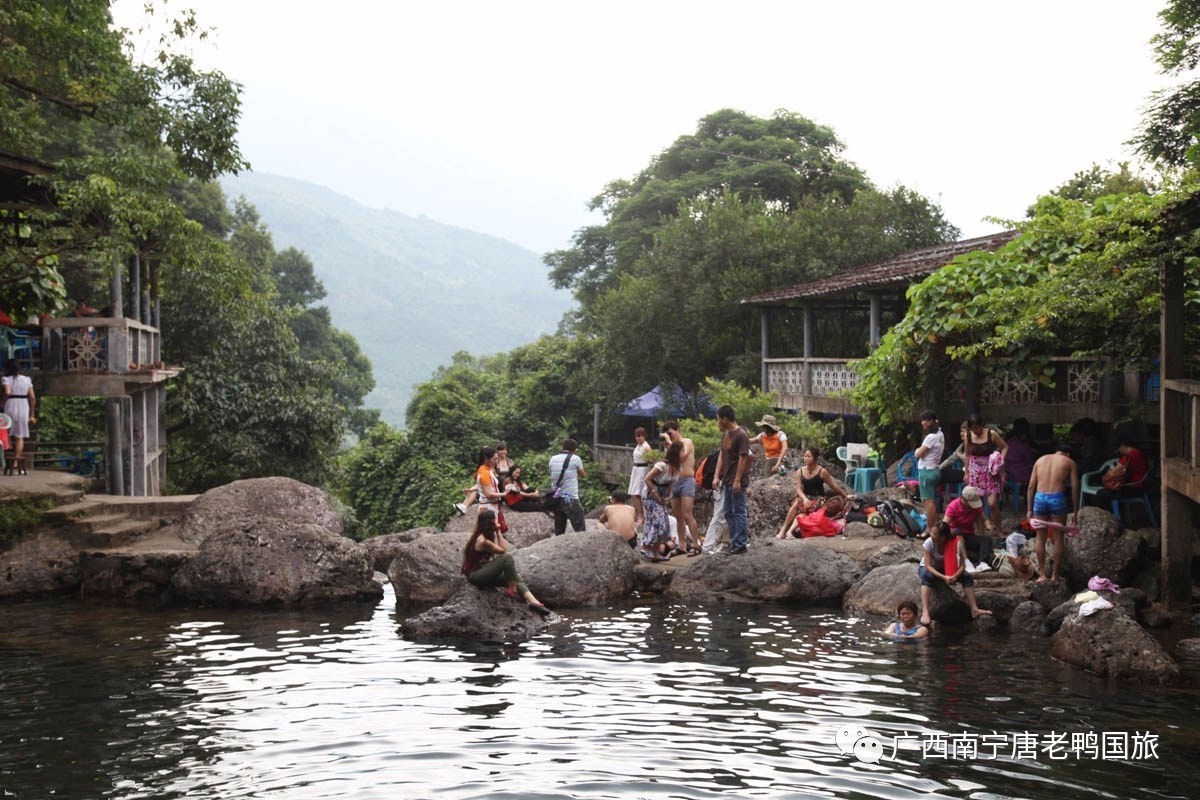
{"x":814,"y":486}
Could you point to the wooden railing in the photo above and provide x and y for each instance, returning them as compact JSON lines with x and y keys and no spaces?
{"x":92,"y":345}
{"x":1181,"y":440}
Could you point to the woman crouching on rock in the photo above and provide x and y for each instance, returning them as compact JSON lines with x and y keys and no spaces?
{"x":487,"y":562}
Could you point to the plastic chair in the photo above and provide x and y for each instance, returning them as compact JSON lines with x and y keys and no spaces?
{"x":1127,"y":496}
{"x":1090,"y":485}
{"x":866,"y":478}
{"x":907,"y":471}
{"x":1017,"y":490}
{"x":851,"y":464}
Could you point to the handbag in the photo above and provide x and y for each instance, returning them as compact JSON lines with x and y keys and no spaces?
{"x":1114,"y":479}
{"x":552,"y":500}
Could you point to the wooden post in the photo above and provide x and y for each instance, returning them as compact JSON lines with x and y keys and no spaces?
{"x":875,"y":321}
{"x":114,"y":458}
{"x":808,"y":348}
{"x":765,"y":336}
{"x":135,"y":287}
{"x":115,"y":299}
{"x":1175,"y":506}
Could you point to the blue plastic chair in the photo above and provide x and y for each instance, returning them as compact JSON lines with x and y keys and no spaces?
{"x":1090,"y":485}
{"x":1126,"y":497}
{"x":1017,"y":490}
{"x":907,"y":471}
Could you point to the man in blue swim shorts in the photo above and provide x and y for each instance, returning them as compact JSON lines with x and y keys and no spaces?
{"x":1046,"y":500}
{"x":683,"y":496}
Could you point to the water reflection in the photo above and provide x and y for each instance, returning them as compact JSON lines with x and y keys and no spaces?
{"x":648,"y":699}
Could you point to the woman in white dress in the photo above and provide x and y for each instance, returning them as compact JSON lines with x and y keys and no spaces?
{"x":637,"y":476}
{"x":19,"y":403}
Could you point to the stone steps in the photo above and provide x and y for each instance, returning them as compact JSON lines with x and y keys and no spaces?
{"x":101,"y":522}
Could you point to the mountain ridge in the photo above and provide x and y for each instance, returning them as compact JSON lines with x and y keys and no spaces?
{"x":409,"y":289}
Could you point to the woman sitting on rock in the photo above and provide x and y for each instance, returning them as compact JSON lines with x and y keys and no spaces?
{"x":945,"y":560}
{"x":520,"y":497}
{"x":487,"y":562}
{"x":811,"y":480}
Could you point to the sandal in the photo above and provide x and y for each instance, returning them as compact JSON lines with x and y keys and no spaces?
{"x":675,"y":551}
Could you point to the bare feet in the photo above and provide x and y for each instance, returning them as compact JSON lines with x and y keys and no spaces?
{"x":976,"y":613}
{"x":1043,"y":579}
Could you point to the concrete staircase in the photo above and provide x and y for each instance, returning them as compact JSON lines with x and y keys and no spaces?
{"x":106,"y":522}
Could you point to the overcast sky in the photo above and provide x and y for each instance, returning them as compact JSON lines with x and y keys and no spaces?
{"x":508,"y":117}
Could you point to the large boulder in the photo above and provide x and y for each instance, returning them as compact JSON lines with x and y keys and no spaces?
{"x":786,"y":570}
{"x":276,"y":562}
{"x":1111,"y":644}
{"x":1102,"y":548}
{"x":39,"y":565}
{"x":130,"y":578}
{"x":883,"y":589}
{"x":583,"y":569}
{"x":767,"y":504}
{"x":235,"y":505}
{"x":428,"y":569}
{"x":382,"y":549}
{"x":1028,"y":617}
{"x":479,"y":615}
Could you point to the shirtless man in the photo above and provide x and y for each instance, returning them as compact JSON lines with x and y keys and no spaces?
{"x":1047,"y":501}
{"x":619,"y":517}
{"x":683,"y":496}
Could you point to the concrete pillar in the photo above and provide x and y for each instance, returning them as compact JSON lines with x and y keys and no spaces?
{"x":1176,"y":507}
{"x":875,"y":321}
{"x":114,"y":458}
{"x":115,"y":299}
{"x":808,"y":346}
{"x":135,"y":287}
{"x":765,"y":336}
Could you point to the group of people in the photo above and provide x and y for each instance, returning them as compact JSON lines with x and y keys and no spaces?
{"x":663,"y":494}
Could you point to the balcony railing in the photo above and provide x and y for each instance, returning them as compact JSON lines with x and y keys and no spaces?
{"x":92,"y":345}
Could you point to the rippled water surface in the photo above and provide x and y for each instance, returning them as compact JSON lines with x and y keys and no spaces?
{"x":645,"y":700}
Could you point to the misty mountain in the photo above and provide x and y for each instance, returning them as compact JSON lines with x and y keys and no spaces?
{"x":411,"y":290}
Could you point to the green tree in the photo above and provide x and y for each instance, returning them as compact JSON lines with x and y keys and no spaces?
{"x":1082,"y":278}
{"x":1172,"y":121}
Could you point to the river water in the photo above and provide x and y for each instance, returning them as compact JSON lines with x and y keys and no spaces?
{"x":644,"y":700}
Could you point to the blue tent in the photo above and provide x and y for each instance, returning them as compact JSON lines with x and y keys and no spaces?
{"x":651,"y":404}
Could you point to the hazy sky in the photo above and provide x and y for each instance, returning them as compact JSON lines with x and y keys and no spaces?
{"x":508,"y":117}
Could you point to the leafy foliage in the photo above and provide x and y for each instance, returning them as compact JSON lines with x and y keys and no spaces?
{"x":1172,"y":121}
{"x":1082,"y":278}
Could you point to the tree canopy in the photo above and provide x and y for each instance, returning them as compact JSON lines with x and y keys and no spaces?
{"x":1172,"y":121}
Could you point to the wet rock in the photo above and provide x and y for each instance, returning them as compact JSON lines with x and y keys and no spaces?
{"x":1147,"y":578}
{"x":428,"y":569}
{"x":882,"y":589}
{"x":276,"y":562}
{"x":578,"y":569}
{"x":1048,"y":594}
{"x":382,"y":549}
{"x":651,"y":578}
{"x":784,"y":570}
{"x":999,"y":601}
{"x":478,"y":615}
{"x":39,"y":565}
{"x":282,"y":501}
{"x":130,"y":578}
{"x":1188,"y":649}
{"x":899,"y":551}
{"x":1102,"y":548}
{"x":1028,"y":617}
{"x":1111,"y":644}
{"x":947,"y":606}
{"x":1154,"y":616}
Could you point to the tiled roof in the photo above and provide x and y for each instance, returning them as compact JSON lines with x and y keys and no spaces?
{"x":895,"y":272}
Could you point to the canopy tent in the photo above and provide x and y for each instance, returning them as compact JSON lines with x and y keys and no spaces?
{"x":679,"y":404}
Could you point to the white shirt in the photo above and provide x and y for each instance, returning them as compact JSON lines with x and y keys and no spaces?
{"x":935,"y":445}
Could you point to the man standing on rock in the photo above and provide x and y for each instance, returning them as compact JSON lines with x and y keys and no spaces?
{"x":1046,"y":501}
{"x":566,"y":469}
{"x":735,"y":459}
{"x":683,"y":495}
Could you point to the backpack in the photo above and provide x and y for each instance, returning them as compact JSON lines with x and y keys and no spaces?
{"x":706,"y":470}
{"x":897,"y":520}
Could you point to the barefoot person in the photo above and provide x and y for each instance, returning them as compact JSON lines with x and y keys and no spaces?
{"x":487,"y":562}
{"x":929,"y":458}
{"x":1046,"y":499}
{"x":683,"y":495}
{"x":906,"y":625}
{"x":620,"y":517}
{"x":933,"y":567}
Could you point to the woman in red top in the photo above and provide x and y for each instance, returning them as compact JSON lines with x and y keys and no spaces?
{"x":487,"y":562}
